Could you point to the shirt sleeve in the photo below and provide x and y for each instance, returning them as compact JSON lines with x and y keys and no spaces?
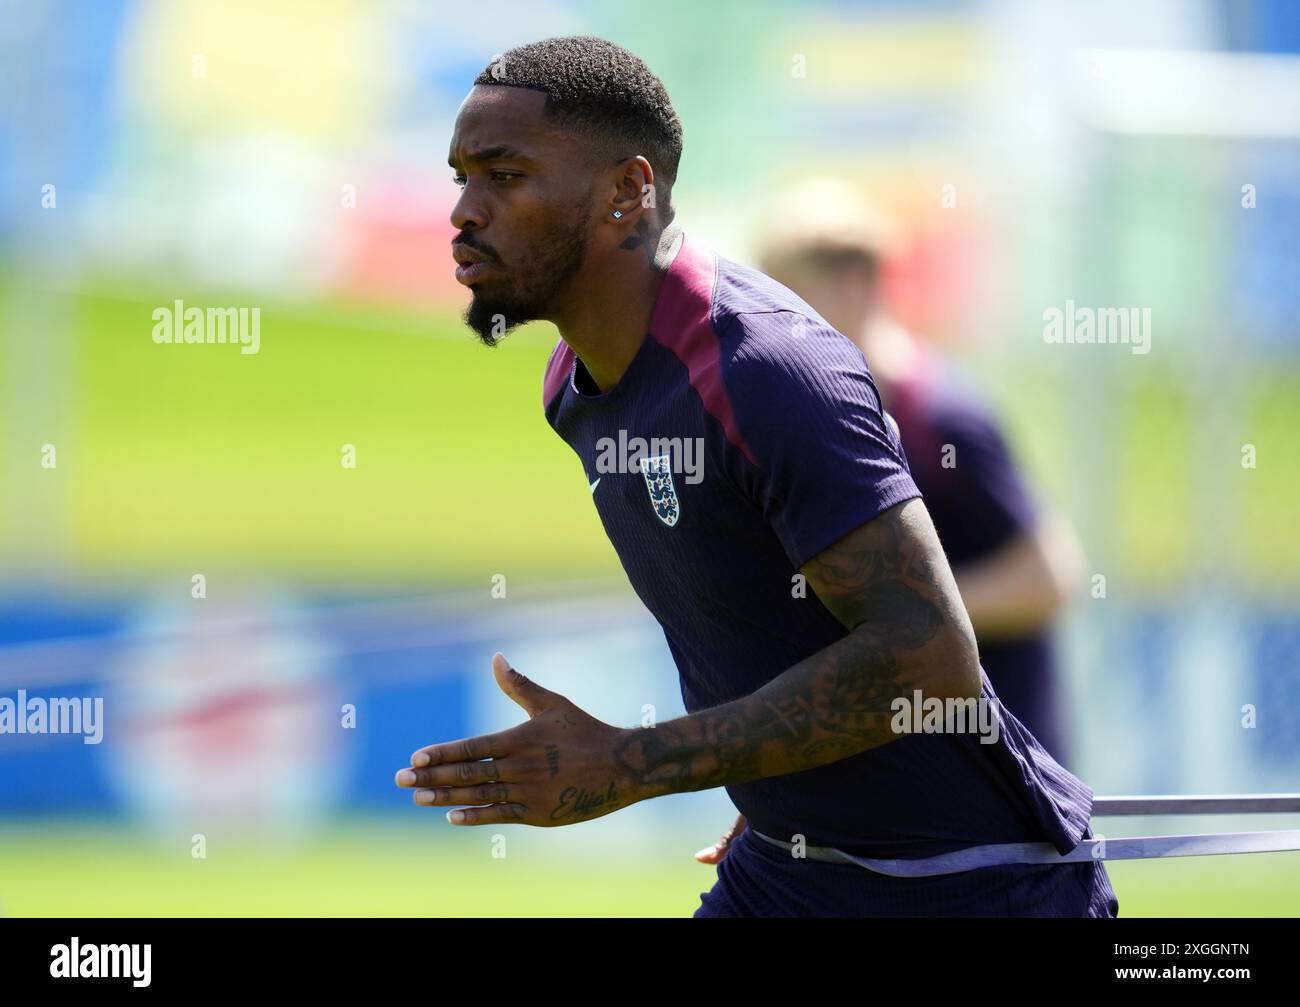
{"x":826,"y":458}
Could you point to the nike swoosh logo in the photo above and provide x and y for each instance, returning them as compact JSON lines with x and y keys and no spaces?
{"x":596,"y":483}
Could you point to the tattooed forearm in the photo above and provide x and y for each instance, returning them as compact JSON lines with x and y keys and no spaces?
{"x":889,"y":584}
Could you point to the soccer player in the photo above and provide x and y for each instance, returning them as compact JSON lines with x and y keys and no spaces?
{"x":763,"y":512}
{"x":1015,"y":563}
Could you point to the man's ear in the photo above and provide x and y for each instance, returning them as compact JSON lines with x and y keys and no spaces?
{"x":634,"y":190}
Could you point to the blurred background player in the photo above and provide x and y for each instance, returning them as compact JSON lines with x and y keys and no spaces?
{"x":1017,"y":563}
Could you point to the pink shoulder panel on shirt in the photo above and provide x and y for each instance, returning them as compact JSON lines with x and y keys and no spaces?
{"x":557,"y":369}
{"x":682,"y":322}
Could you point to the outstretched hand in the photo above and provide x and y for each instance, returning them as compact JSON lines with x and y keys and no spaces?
{"x":557,"y":768}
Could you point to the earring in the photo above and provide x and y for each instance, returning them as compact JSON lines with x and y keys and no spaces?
{"x":618,"y":214}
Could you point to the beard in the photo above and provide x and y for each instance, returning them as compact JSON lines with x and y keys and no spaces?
{"x":526,"y":296}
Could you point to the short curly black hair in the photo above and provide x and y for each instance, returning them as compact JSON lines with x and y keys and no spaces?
{"x":601,"y":89}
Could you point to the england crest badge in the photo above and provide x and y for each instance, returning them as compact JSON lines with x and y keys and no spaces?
{"x":663,"y":495}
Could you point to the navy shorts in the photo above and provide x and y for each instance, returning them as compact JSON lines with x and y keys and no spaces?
{"x":756,"y":878}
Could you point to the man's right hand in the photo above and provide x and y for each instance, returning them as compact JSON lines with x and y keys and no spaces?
{"x":712,"y":854}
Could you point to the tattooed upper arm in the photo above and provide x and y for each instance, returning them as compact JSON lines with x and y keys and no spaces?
{"x":890,"y":585}
{"x":889,"y":581}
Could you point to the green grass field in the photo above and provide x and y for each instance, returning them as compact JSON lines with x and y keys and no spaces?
{"x":80,"y":871}
{"x":201,"y":455}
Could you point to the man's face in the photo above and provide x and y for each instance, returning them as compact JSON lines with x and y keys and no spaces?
{"x":525,"y":208}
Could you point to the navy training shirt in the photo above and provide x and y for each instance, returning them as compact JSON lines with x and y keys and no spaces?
{"x":763,"y":441}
